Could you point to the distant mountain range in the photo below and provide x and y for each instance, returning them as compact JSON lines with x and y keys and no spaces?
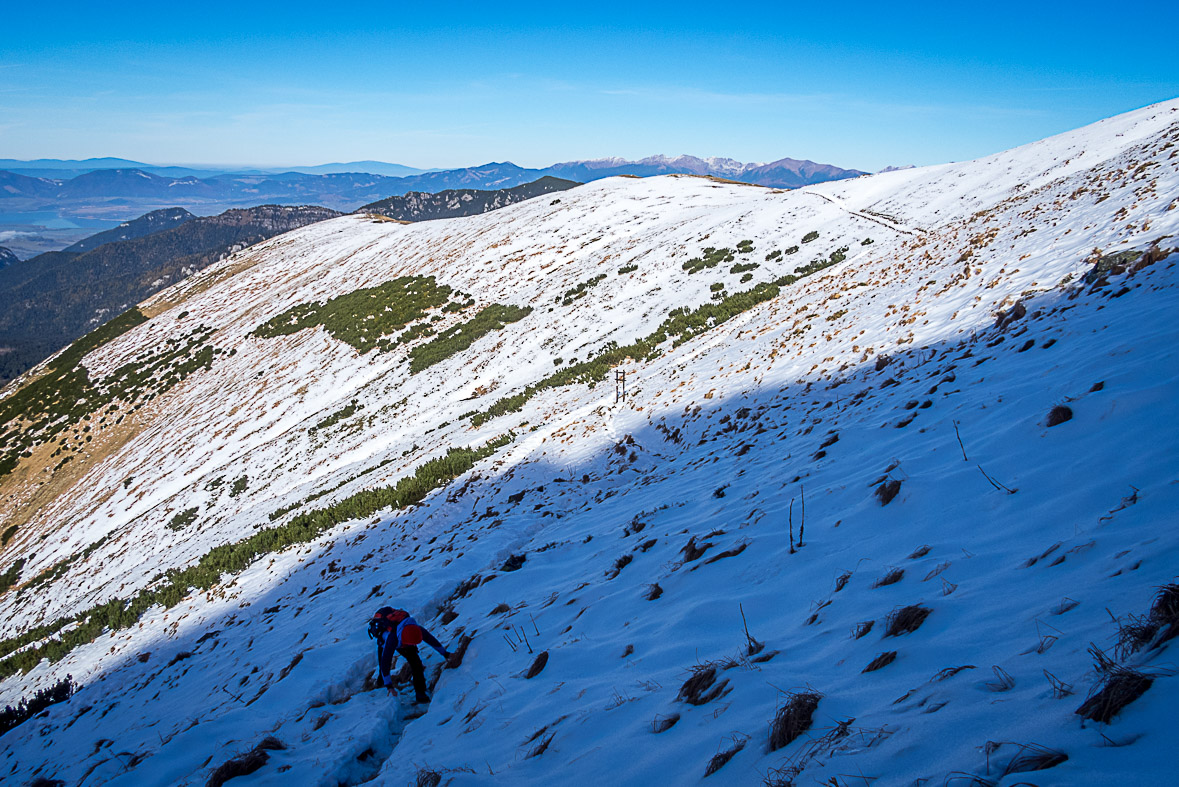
{"x":51,"y":299}
{"x":783,"y":173}
{"x":369,"y":167}
{"x":423,"y":206}
{"x":336,"y":186}
{"x":48,"y":202}
{"x":7,"y":257}
{"x":581,"y":170}
{"x":68,"y":168}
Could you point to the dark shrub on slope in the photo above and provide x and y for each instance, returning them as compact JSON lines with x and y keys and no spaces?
{"x":28,"y":708}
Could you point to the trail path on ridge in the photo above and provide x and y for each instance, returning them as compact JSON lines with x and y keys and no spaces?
{"x":886,"y":223}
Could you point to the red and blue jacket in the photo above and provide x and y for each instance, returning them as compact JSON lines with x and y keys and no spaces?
{"x":400,"y":634}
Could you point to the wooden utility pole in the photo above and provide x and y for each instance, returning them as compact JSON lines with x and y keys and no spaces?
{"x":619,"y":386}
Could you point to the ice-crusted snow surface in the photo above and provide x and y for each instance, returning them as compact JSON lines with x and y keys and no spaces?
{"x":888,"y":366}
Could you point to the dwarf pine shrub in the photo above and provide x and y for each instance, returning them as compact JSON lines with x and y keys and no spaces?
{"x":710,"y":258}
{"x":363,"y":317}
{"x":48,"y":405}
{"x":28,"y":708}
{"x":183,"y":519}
{"x":60,"y":400}
{"x":178,"y":583}
{"x":581,"y":289}
{"x":458,"y":338}
{"x":12,"y":575}
{"x":681,"y":325}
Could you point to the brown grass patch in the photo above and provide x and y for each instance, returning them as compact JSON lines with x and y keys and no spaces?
{"x":538,"y":665}
{"x":721,"y":759}
{"x":1119,"y":687}
{"x":702,"y":687}
{"x":883,"y":660}
{"x":905,"y":620}
{"x":245,"y":764}
{"x":664,"y":723}
{"x":893,"y":576}
{"x":793,"y":718}
{"x":888,"y":490}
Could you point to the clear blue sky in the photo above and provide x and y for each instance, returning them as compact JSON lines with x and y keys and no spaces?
{"x":860,"y":85}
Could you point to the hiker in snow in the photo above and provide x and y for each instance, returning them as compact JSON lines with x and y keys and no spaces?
{"x":396,"y":632}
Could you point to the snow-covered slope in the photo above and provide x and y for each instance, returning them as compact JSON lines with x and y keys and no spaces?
{"x":923,"y":363}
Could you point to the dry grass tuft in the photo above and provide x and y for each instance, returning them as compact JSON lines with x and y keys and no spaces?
{"x":883,"y":660}
{"x":514,"y":563}
{"x":691,"y":551}
{"x":538,"y":665}
{"x":1160,"y":624}
{"x":619,"y":564}
{"x":428,"y":778}
{"x":893,"y":576}
{"x":1165,"y":611}
{"x":541,"y":747}
{"x":861,"y":630}
{"x":793,"y":718}
{"x":905,"y":620}
{"x":1033,"y":757}
{"x":887,"y":491}
{"x":664,"y":723}
{"x":719,"y":760}
{"x":245,"y":764}
{"x":654,"y":591}
{"x":1134,"y":633}
{"x":1002,"y":682}
{"x":702,"y":687}
{"x":1117,"y":691}
{"x":948,"y":672}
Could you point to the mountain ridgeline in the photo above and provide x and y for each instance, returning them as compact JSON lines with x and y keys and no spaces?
{"x":49,"y":300}
{"x":423,"y":206}
{"x":147,"y":224}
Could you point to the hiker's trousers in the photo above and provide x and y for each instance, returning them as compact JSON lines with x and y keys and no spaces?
{"x":410,"y":652}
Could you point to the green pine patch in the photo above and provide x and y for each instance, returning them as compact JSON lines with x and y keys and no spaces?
{"x":63,"y":401}
{"x":459,"y":337}
{"x":396,"y":313}
{"x":709,"y":258}
{"x":365,"y":317}
{"x":681,"y":325}
{"x":175,"y":584}
{"x":569,"y":296}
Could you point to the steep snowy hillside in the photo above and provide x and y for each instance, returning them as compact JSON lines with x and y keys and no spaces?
{"x":891,"y":491}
